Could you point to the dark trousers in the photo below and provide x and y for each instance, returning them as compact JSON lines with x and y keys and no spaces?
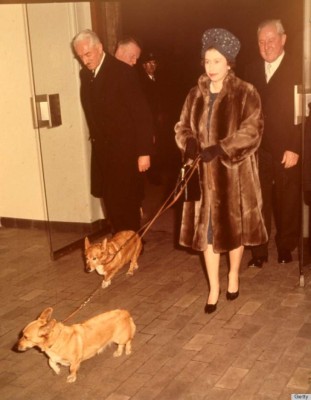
{"x":122,"y":200}
{"x":123,"y":219}
{"x":281,"y":195}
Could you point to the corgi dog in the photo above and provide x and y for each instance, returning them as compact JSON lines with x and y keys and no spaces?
{"x":108,"y":257}
{"x":70,"y":345}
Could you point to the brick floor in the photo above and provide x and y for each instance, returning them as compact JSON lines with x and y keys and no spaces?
{"x":257,"y":347}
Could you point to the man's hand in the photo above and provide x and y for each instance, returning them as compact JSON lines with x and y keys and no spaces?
{"x":290,"y":159}
{"x":143,"y":163}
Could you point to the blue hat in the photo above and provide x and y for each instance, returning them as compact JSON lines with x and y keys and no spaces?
{"x":223,"y":41}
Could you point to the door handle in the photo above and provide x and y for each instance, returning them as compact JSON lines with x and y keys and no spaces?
{"x":46,"y":111}
{"x":302,"y":97}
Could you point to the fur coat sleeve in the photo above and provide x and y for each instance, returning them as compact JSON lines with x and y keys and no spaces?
{"x":230,"y":189}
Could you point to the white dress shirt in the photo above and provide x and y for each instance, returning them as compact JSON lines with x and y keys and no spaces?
{"x":270,"y":68}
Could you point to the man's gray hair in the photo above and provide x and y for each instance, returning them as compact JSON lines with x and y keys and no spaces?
{"x":125,"y":41}
{"x":276,"y":22}
{"x":86,"y":34}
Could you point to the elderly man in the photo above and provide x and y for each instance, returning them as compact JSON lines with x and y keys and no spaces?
{"x":274,"y":77}
{"x":121,"y":130}
{"x":128,"y":51}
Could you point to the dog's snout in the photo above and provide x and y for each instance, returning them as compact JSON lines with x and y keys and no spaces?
{"x":18,"y":347}
{"x":15,"y":348}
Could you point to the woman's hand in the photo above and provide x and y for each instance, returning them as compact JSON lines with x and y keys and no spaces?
{"x":191,"y":149}
{"x":210,"y":152}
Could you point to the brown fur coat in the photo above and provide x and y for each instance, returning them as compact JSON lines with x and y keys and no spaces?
{"x":230,"y":188}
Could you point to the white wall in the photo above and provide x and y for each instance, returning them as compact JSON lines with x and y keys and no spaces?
{"x":21,"y":194}
{"x":65,"y":149}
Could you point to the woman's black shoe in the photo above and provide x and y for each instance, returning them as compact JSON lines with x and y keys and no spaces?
{"x":210,"y":308}
{"x":232,"y":296}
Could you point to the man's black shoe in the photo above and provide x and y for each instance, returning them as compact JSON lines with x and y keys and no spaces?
{"x":257,"y":261}
{"x":284,"y":257}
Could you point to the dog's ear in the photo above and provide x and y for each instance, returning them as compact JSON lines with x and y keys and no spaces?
{"x":104,"y":244}
{"x":46,"y":329}
{"x":87,"y":243}
{"x":46,"y":314}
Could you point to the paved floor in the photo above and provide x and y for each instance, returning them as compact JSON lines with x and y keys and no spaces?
{"x":257,"y":347}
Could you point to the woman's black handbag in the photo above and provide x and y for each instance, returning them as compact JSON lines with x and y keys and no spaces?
{"x":189,"y":183}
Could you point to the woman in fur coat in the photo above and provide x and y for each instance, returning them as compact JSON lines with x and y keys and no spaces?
{"x":221,"y":121}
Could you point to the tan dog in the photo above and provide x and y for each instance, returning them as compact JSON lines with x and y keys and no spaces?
{"x":70,"y":345}
{"x":108,"y":257}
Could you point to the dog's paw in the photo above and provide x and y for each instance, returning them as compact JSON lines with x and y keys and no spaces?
{"x":119,"y":350}
{"x":71,"y":378}
{"x":118,"y":353}
{"x":128,"y":348}
{"x":132,"y":268}
{"x":54,"y":367}
{"x":128,"y":352}
{"x":105,"y":284}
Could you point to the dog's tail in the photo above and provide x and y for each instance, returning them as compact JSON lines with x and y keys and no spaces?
{"x":133,"y":327}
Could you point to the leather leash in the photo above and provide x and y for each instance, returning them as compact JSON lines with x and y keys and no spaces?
{"x":173,"y":196}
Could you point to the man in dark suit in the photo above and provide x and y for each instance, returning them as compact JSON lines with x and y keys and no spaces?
{"x":151,"y":86}
{"x":128,"y":50}
{"x":274,"y":78}
{"x":121,"y":130}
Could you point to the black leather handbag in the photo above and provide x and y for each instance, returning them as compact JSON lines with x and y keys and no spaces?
{"x":189,"y":183}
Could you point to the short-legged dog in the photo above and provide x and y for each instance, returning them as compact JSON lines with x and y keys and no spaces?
{"x":108,"y":257}
{"x":70,"y":345}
